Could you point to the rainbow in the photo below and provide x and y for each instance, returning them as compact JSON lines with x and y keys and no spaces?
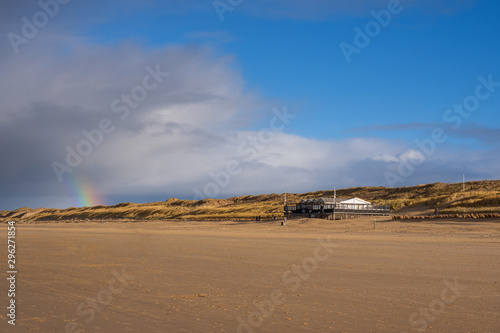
{"x":83,"y":193}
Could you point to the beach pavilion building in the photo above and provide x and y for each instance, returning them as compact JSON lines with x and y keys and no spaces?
{"x":327,"y":206}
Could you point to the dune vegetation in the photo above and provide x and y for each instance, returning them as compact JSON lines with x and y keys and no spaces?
{"x":478,"y":197}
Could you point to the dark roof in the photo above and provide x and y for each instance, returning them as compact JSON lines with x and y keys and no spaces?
{"x":322,"y":200}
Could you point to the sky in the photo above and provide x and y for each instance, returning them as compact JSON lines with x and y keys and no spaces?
{"x":139,"y":101}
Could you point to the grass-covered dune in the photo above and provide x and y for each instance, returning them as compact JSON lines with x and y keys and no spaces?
{"x":479,"y":197}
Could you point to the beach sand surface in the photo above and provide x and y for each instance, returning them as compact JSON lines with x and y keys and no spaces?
{"x":307,"y":276}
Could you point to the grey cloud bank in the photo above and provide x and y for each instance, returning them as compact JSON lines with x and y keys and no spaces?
{"x":187,"y":128}
{"x":58,"y":88}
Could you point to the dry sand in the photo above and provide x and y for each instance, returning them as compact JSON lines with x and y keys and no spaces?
{"x":310,"y":276}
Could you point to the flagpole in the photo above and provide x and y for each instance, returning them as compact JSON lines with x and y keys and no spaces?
{"x":284,"y":215}
{"x":334,"y":201}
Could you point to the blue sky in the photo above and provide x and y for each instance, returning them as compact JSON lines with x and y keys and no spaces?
{"x":356,"y":123}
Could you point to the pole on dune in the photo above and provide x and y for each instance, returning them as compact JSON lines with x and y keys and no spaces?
{"x":334,"y":201}
{"x":284,"y":214}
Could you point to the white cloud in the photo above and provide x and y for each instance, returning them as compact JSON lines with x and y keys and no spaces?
{"x":412,"y":155}
{"x":385,"y":158}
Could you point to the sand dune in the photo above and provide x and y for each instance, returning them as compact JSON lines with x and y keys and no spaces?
{"x":481,"y":197}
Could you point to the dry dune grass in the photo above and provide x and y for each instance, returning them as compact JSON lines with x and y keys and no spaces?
{"x":480,"y":197}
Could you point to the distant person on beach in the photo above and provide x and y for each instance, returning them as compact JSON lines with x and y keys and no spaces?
{"x":436,"y":211}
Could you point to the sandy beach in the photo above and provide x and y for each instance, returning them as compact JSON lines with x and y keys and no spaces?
{"x":309,"y":275}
